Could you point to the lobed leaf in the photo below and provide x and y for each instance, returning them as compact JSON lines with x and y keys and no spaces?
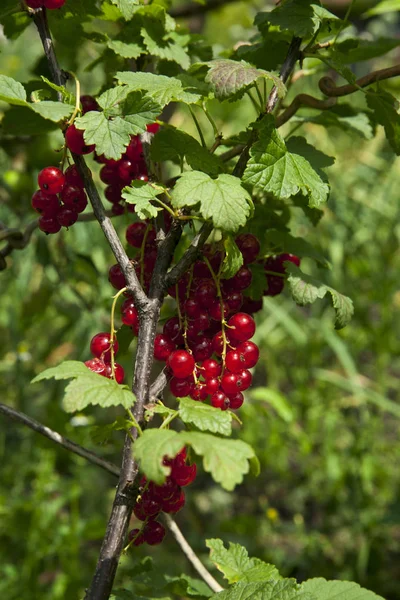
{"x":140,"y":193}
{"x":12,"y":91}
{"x":233,"y":258}
{"x":52,"y":111}
{"x":235,"y":564}
{"x":302,"y":18}
{"x":384,"y":107}
{"x":205,"y":417}
{"x":322,"y":589}
{"x":285,"y":589}
{"x":161,"y":88}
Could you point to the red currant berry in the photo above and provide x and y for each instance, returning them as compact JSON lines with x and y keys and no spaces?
{"x":234,"y":300}
{"x":135,"y":149}
{"x":126,"y":171}
{"x":129,"y":314}
{"x":136,"y":537}
{"x":163,"y":346}
{"x":113,"y":194}
{"x":180,"y":388}
{"x":117,"y":209}
{"x":150,"y":505}
{"x":53,"y":4}
{"x":202,"y":348}
{"x":45,"y":204}
{"x":251,"y":306}
{"x":218,"y":343}
{"x":275,"y":285}
{"x":96,"y":365}
{"x":75,"y":141}
{"x":242,"y":327}
{"x":119,"y":373}
{"x":138,"y":511}
{"x":89,"y":104}
{"x":290,"y":258}
{"x":74,"y":197}
{"x":109,"y":175}
{"x":72,"y":177}
{"x":212,"y":385}
{"x":199,"y":393}
{"x":216,"y":312}
{"x":220,"y":400}
{"x":211,"y":368}
{"x":135,"y":234}
{"x":206,"y":293}
{"x":67,"y":216}
{"x":234,"y":361}
{"x":174,"y":505}
{"x":250,"y":352}
{"x":49,"y":224}
{"x":153,"y":533}
{"x":236,"y":401}
{"x":249,"y":246}
{"x":100,"y":346}
{"x":34,"y":3}
{"x":51,"y":180}
{"x":192,"y":308}
{"x":173,"y":330}
{"x":153,"y":127}
{"x":116,"y":277}
{"x":184,"y":474}
{"x":166,"y":491}
{"x":181,"y":363}
{"x":142,"y":177}
{"x":241,"y":280}
{"x":229,"y":383}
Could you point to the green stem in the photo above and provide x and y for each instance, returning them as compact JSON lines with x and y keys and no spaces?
{"x":113,"y":331}
{"x":168,"y":420}
{"x":134,"y":422}
{"x":259,"y":96}
{"x":254,"y":103}
{"x":196,"y":122}
{"x":211,"y":120}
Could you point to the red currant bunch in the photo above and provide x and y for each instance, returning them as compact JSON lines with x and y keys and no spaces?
{"x":100,"y":347}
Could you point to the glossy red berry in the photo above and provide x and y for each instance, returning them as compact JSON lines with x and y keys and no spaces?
{"x":49,"y":224}
{"x":206,"y":293}
{"x":212,"y":385}
{"x":136,"y":537}
{"x":72,"y":177}
{"x":163,"y":346}
{"x":236,"y":401}
{"x":234,"y":361}
{"x":129,"y":314}
{"x":100,"y":346}
{"x":45,"y":204}
{"x":241,"y":327}
{"x":109,"y":175}
{"x":202,"y":348}
{"x":153,"y":533}
{"x":67,"y":216}
{"x":218,"y":343}
{"x":119,"y":373}
{"x":153,"y":127}
{"x":275,"y":285}
{"x":51,"y":180}
{"x":117,"y":209}
{"x":251,"y":306}
{"x":173,"y":330}
{"x":250,"y":353}
{"x":181,"y":363}
{"x":74,"y":197}
{"x":75,"y":141}
{"x":135,"y":149}
{"x":184,"y":474}
{"x":53,"y":4}
{"x":245,"y":379}
{"x":151,"y":506}
{"x":174,"y":504}
{"x":113,"y":194}
{"x":220,"y":400}
{"x":229,"y":383}
{"x":180,"y":388}
{"x":249,"y":246}
{"x":126,"y":170}
{"x":166,"y":491}
{"x":192,"y":308}
{"x":135,"y":234}
{"x":211,"y":368}
{"x":96,"y":365}
{"x":199,"y":392}
{"x":241,"y":280}
{"x":116,"y":277}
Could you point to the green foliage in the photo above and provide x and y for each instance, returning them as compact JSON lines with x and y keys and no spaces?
{"x":384,"y":106}
{"x":127,"y":7}
{"x":233,"y":258}
{"x":204,"y":417}
{"x":341,"y":590}
{"x":303,"y":18}
{"x":236,"y":565}
{"x":87,"y":387}
{"x":286,"y":589}
{"x":162,"y":89}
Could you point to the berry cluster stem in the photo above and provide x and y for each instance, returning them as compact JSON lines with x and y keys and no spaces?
{"x":113,"y":330}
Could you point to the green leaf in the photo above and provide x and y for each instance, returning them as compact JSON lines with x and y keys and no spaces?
{"x":385,"y":107}
{"x":52,"y":111}
{"x":127,"y":7}
{"x":228,"y":78}
{"x":337,"y":590}
{"x":205,"y":417}
{"x":233,"y":258}
{"x":160,"y":45}
{"x":227,"y":460}
{"x":184,"y":585}
{"x":112,"y":97}
{"x":140,"y":193}
{"x":306,"y":290}
{"x":286,"y":589}
{"x":286,"y":170}
{"x":140,"y":110}
{"x":8,"y":7}
{"x":21,"y":120}
{"x":362,"y":50}
{"x":12,"y":91}
{"x":110,"y":136}
{"x":67,"y":96}
{"x":223,"y":200}
{"x":284,"y":242}
{"x":344,"y":117}
{"x":173,"y":144}
{"x":301,"y":17}
{"x":131,"y":50}
{"x":87,"y":387}
{"x":383,"y":7}
{"x":275,"y":399}
{"x":236,"y":565}
{"x":161,"y":88}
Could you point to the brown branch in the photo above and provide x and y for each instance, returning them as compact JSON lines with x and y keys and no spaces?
{"x":231,"y":153}
{"x":58,"y":76}
{"x":189,"y":257}
{"x":329,"y":87}
{"x":303,"y":100}
{"x":192,"y":8}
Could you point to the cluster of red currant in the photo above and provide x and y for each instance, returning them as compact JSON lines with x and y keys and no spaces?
{"x":154,"y":499}
{"x":100,"y":347}
{"x":60,"y":199}
{"x":50,"y":4}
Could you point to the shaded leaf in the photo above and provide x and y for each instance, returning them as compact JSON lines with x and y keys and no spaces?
{"x":52,"y":111}
{"x":302,"y":17}
{"x":160,"y":88}
{"x":233,"y":259}
{"x":127,"y":7}
{"x":337,"y":590}
{"x":385,"y":108}
{"x":131,"y":50}
{"x":110,"y":136}
{"x":205,"y":417}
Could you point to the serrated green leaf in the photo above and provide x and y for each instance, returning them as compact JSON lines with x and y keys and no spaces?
{"x":284,"y":242}
{"x":285,"y":589}
{"x":140,"y":193}
{"x":236,"y":565}
{"x":8,"y":7}
{"x":140,"y":110}
{"x":173,"y":144}
{"x":358,"y":122}
{"x":110,"y":98}
{"x":233,"y":258}
{"x":231,"y":78}
{"x":52,"y":111}
{"x":110,"y":136}
{"x":301,"y":17}
{"x":286,"y":170}
{"x":21,"y":120}
{"x":337,"y":590}
{"x":161,"y":88}
{"x":205,"y":417}
{"x":227,"y":460}
{"x":67,"y":96}
{"x":127,"y":7}
{"x":68,"y":369}
{"x":223,"y":200}
{"x":306,"y":289}
{"x":161,"y":45}
{"x":96,"y":390}
{"x":131,"y":50}
{"x":12,"y":91}
{"x":100,"y":434}
{"x":184,"y":585}
{"x":385,"y":108}
{"x":366,"y":49}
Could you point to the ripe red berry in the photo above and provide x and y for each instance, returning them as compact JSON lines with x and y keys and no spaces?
{"x":242,"y":327}
{"x":181,"y":363}
{"x":109,"y":175}
{"x":229,"y":383}
{"x":116,"y":277}
{"x":250,"y":352}
{"x":249,"y":246}
{"x":234,"y":300}
{"x":153,"y":127}
{"x":184,"y":474}
{"x":163,"y":346}
{"x":45,"y":204}
{"x":199,"y":392}
{"x":88,"y":104}
{"x":275,"y":285}
{"x":173,"y":330}
{"x":67,"y":216}
{"x":135,"y":234}
{"x":51,"y":180}
{"x":53,"y":4}
{"x":117,"y":209}
{"x":101,"y":344}
{"x":174,"y":504}
{"x":236,"y":401}
{"x":202,"y":348}
{"x":49,"y":224}
{"x":206,"y":292}
{"x":211,"y":368}
{"x":234,"y":361}
{"x":151,"y":506}
{"x":75,"y":141}
{"x":180,"y":388}
{"x":113,"y":194}
{"x":212,"y":385}
{"x":72,"y":177}
{"x":136,"y":537}
{"x":153,"y":533}
{"x":251,"y":306}
{"x":135,"y":149}
{"x":34,"y":3}
{"x":240,"y":281}
{"x":192,"y":308}
{"x":96,"y":365}
{"x":220,"y":400}
{"x":245,"y":379}
{"x":126,"y":170}
{"x":218,"y":343}
{"x":74,"y":197}
{"x":129,"y":314}
{"x":166,"y":491}
{"x":119,"y":373}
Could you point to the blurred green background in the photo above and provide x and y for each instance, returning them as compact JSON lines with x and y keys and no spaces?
{"x":324,"y":412}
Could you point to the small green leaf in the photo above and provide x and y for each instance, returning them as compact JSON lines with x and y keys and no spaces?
{"x":385,"y":108}
{"x":236,"y":565}
{"x":184,"y":586}
{"x":110,"y":136}
{"x":52,"y":111}
{"x":110,"y":98}
{"x":306,"y":290}
{"x":233,"y":258}
{"x":343,"y":117}
{"x":150,"y":449}
{"x":126,"y":50}
{"x":173,"y":144}
{"x":223,"y":200}
{"x":231,"y":78}
{"x":161,"y":45}
{"x":67,"y":96}
{"x":127,"y":7}
{"x":161,"y":88}
{"x":337,"y":590}
{"x":286,"y":589}
{"x":140,"y":110}
{"x":302,"y":17}
{"x":12,"y":91}
{"x":204,"y":417}
{"x":286,"y":170}
{"x":140,"y":193}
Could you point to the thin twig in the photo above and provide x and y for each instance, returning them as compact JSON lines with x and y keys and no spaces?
{"x":58,"y":76}
{"x":329,"y":87}
{"x":303,"y":100}
{"x":191,"y":555}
